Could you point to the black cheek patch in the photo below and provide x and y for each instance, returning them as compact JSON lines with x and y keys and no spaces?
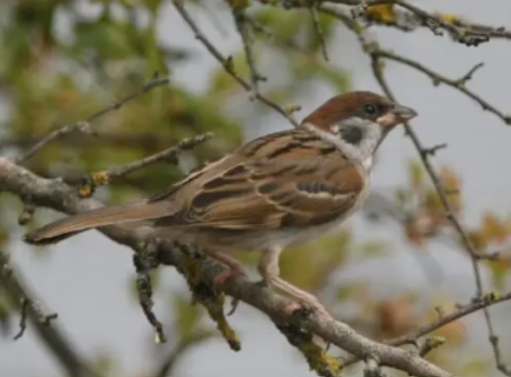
{"x":352,"y":135}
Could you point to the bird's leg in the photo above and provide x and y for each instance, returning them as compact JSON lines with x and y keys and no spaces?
{"x":234,"y":268}
{"x":268,"y":268}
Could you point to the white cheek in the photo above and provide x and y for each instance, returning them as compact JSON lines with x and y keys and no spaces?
{"x":335,"y":129}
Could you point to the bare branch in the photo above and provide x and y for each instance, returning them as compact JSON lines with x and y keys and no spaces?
{"x":469,"y":247}
{"x":57,"y":195}
{"x":85,"y":125}
{"x":458,"y":84}
{"x":442,"y":320}
{"x":240,"y":20}
{"x":317,"y":26}
{"x":144,"y":261}
{"x":105,"y":177}
{"x":461,"y":31}
{"x":12,"y":283}
{"x":227,"y":63}
{"x":27,"y":305}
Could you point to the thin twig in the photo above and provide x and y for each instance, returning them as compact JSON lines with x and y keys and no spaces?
{"x":458,"y":84}
{"x":240,"y":20}
{"x":104,"y":177}
{"x":169,"y":153}
{"x":465,"y":240}
{"x":27,"y":305}
{"x":442,"y":320}
{"x":376,"y":53}
{"x":319,"y":31}
{"x":57,"y":195}
{"x":469,"y":34}
{"x":450,"y":212}
{"x":49,"y":334}
{"x":431,"y":151}
{"x":227,"y":63}
{"x":145,"y":261}
{"x":85,"y":125}
{"x":462,"y":35}
{"x":429,"y":344}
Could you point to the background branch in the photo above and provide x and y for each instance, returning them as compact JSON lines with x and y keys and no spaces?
{"x":46,"y":328}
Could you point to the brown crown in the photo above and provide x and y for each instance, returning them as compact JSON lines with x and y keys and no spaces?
{"x":343,"y":106}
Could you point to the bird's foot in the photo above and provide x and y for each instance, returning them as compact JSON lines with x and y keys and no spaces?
{"x":222,"y":277}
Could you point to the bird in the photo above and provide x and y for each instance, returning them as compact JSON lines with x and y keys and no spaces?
{"x":279,"y":190}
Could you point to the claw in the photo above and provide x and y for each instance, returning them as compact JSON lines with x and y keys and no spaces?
{"x":221,"y":278}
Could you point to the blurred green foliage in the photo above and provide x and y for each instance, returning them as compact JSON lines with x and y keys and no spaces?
{"x":64,"y":60}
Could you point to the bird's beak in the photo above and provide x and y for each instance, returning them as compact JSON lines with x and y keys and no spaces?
{"x":404,"y":113}
{"x":398,"y":114}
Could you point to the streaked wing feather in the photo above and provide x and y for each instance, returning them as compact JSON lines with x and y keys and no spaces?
{"x":309,"y":183}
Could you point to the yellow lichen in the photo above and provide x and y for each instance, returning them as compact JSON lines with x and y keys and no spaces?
{"x":383,"y":13}
{"x":319,"y":360}
{"x":205,"y":295}
{"x":216,"y":312}
{"x":192,"y":269}
{"x":85,"y":191}
{"x":448,"y":17}
{"x":100,"y":178}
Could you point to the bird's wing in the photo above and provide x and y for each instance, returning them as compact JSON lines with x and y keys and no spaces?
{"x":284,"y":180}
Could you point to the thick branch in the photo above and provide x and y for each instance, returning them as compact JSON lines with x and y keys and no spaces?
{"x":57,"y":195}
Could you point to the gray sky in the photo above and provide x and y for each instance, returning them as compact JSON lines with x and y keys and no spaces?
{"x":90,"y":272}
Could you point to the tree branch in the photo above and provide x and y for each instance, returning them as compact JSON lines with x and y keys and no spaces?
{"x":57,"y":195}
{"x":85,"y":125}
{"x":20,"y":296}
{"x":228,"y":65}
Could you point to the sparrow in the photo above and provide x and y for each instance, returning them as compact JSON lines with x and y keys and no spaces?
{"x":276,"y":191}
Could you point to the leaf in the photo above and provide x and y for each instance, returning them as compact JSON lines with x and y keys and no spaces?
{"x":476,"y":367}
{"x":452,"y":187}
{"x":456,"y":331}
{"x":416,"y":174}
{"x":493,"y":228}
{"x":477,"y":239}
{"x":309,"y":265}
{"x":395,"y":317}
{"x":337,"y":78}
{"x":499,"y":270}
{"x":372,"y":248}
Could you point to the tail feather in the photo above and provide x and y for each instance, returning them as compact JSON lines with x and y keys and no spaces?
{"x":123,"y":213}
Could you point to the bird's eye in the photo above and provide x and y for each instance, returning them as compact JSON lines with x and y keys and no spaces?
{"x":370,"y":109}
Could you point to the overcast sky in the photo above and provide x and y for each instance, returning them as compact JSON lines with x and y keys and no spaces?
{"x":90,"y":272}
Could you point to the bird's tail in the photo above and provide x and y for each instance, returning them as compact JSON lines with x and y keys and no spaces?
{"x":116,"y":214}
